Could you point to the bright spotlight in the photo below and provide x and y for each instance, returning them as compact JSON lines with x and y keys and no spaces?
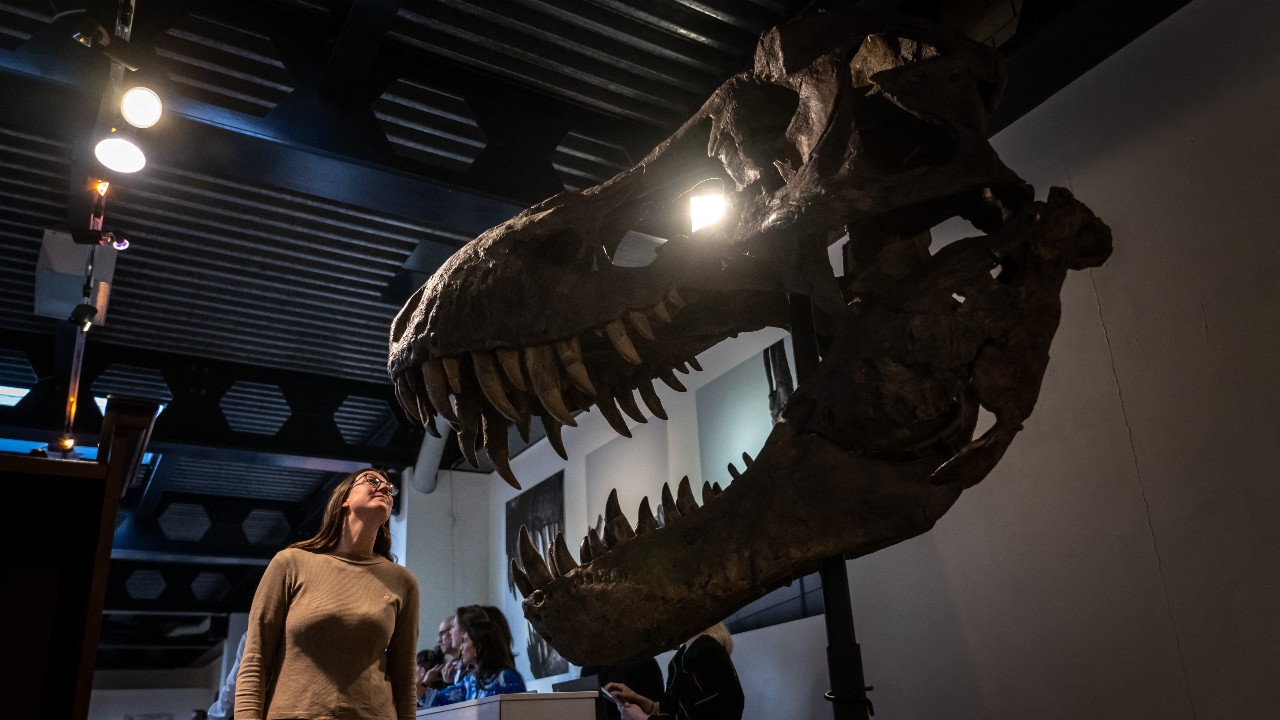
{"x":706,"y":210}
{"x":141,"y":107}
{"x":120,"y":155}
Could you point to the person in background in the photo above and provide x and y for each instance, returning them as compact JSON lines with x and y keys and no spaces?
{"x":226,"y":700}
{"x":428,"y":660}
{"x":495,"y":615}
{"x":702,"y":683}
{"x":492,"y":670}
{"x":444,"y":638}
{"x":454,"y":671}
{"x":334,"y":622}
{"x":643,"y":677}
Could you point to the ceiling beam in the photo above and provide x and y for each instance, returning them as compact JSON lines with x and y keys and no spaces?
{"x":194,"y":421}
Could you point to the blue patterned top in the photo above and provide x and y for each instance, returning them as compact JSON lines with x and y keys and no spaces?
{"x":470,"y":688}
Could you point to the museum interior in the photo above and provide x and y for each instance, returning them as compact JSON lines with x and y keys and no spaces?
{"x":267,"y":273}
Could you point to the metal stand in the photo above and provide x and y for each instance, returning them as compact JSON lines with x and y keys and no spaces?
{"x":848,"y":693}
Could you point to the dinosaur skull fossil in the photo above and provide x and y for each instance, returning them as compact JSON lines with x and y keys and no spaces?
{"x":847,"y":123}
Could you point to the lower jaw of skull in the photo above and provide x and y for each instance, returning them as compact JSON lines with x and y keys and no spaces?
{"x":803,"y":500}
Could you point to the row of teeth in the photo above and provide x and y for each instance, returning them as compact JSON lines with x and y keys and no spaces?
{"x":537,"y":573}
{"x":511,"y":379}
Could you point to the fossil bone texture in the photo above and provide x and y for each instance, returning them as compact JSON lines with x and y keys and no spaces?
{"x":847,"y":123}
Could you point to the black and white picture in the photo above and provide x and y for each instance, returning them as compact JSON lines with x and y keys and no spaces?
{"x":541,"y":509}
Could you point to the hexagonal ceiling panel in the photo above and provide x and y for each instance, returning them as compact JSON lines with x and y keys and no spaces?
{"x":429,"y":125}
{"x":266,"y":527}
{"x":186,"y":522}
{"x":255,"y":407}
{"x":210,"y":586}
{"x":364,"y":420}
{"x":219,"y":63}
{"x":145,"y":584}
{"x":133,"y":381}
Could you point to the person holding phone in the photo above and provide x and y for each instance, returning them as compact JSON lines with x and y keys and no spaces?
{"x":702,"y":684}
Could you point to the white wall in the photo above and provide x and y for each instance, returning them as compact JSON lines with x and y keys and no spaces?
{"x":446,"y":546}
{"x":1121,"y":561}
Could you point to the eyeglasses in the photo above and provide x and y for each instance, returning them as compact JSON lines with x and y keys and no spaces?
{"x":376,"y":482}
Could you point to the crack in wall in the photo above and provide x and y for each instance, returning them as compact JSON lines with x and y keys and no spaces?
{"x":1142,"y":491}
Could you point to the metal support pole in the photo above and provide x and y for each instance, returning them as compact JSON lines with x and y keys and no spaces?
{"x":848,"y":694}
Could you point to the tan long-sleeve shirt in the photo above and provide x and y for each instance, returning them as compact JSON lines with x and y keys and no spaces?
{"x":331,"y":637}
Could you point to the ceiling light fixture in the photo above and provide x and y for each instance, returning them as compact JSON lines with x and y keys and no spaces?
{"x":119,"y":153}
{"x":141,"y":107}
{"x":706,"y":204}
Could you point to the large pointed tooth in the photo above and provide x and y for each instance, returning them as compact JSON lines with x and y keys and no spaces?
{"x":645,"y":521}
{"x":534,"y":566}
{"x":521,"y":403}
{"x":616,"y":528}
{"x":598,"y":548}
{"x":491,"y":384}
{"x":650,"y":398}
{"x":641,"y":324}
{"x":560,"y":553}
{"x":552,"y":428}
{"x":733,"y":472}
{"x":469,"y":426}
{"x":467,"y":444}
{"x":540,"y":359}
{"x":716,"y":487}
{"x":551,"y":562}
{"x":495,"y":444}
{"x":453,"y":371}
{"x":669,"y":378}
{"x":693,"y":363}
{"x":434,"y":431}
{"x":509,"y":359}
{"x":661,"y":312}
{"x":584,"y":550}
{"x":617,"y":333}
{"x":707,"y":492}
{"x":669,"y":509}
{"x":570,"y":353}
{"x":746,"y":460}
{"x":612,"y":416}
{"x":433,"y":376}
{"x":674,"y":299}
{"x":680,"y":368}
{"x":627,"y":402}
{"x":520,"y":579}
{"x":404,"y":395}
{"x":684,"y":497}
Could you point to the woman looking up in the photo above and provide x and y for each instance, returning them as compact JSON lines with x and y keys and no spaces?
{"x":492,"y":670}
{"x":334,"y":622}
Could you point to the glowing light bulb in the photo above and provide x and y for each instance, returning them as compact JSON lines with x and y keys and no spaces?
{"x":141,"y":107}
{"x":120,"y":155}
{"x":706,"y":210}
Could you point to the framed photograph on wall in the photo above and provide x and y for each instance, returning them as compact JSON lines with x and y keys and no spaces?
{"x":541,"y":509}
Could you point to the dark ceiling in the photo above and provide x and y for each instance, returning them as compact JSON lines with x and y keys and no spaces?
{"x":319,"y":159}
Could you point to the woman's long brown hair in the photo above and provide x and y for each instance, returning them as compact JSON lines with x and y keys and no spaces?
{"x":329,"y":535}
{"x":493,"y":654}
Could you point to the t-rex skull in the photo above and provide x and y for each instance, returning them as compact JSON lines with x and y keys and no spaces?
{"x":847,"y":123}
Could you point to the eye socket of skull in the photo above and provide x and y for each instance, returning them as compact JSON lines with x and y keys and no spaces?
{"x":566,"y":248}
{"x":897,"y":141}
